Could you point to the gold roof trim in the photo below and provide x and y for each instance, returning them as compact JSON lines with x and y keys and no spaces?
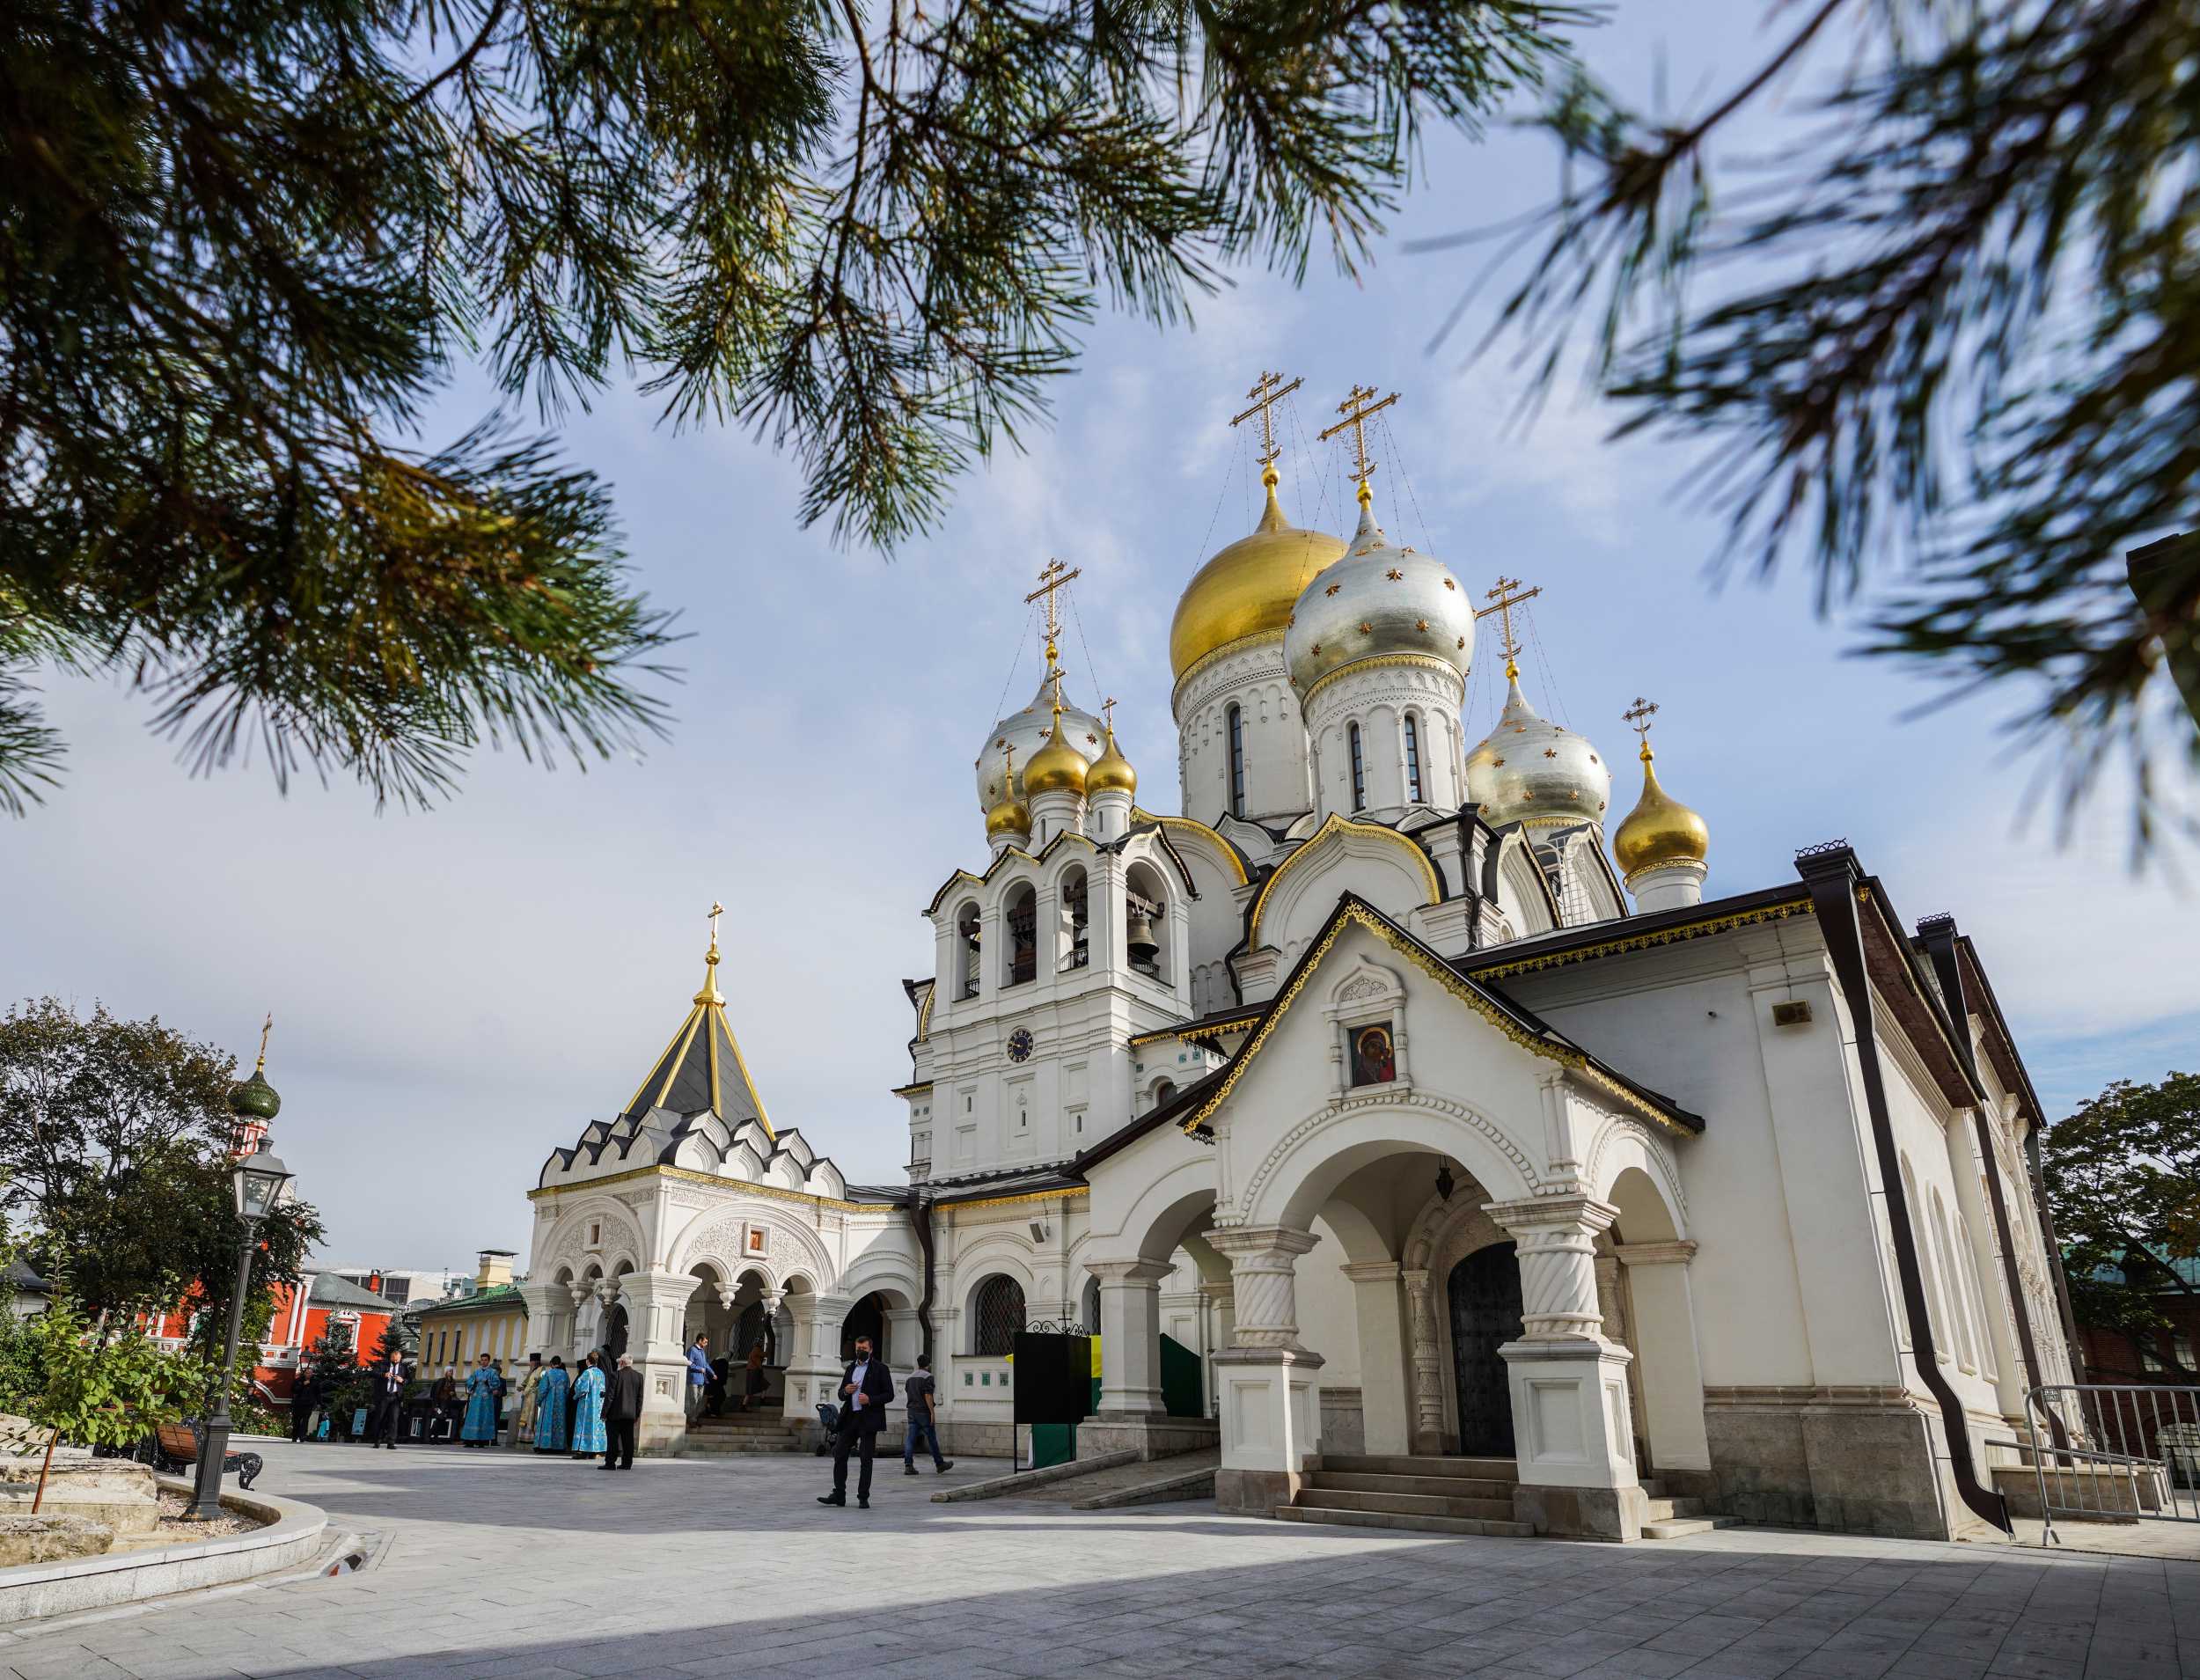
{"x":1356,"y":914}
{"x":1334,"y":824}
{"x":1193,"y":1031}
{"x":688,"y":1175}
{"x":1193,"y":825}
{"x":920,"y":1086}
{"x":1646,"y":942}
{"x":1059,"y":1194}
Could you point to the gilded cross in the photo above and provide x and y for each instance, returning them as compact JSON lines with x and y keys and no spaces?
{"x":265,"y":1027}
{"x":716,"y":911}
{"x":1504,"y":599}
{"x":1107,"y":711}
{"x":1356,"y":410}
{"x":1267,"y":391}
{"x":1052,"y":577}
{"x":1638,"y":716}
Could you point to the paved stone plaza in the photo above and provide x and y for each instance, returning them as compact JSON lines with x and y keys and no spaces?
{"x":501,"y":1565}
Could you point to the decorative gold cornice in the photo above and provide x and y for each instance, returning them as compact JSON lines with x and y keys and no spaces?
{"x":1195,"y":1032}
{"x":1193,"y":825}
{"x":924,"y":1015}
{"x":1063,"y":1193}
{"x":917,"y":1089}
{"x":1370,"y":662}
{"x":1333,"y":824}
{"x":1355,"y":914}
{"x":688,"y":1175}
{"x":1646,"y":942}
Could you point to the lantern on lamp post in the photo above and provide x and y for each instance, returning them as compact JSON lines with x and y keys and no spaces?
{"x":257,"y":1180}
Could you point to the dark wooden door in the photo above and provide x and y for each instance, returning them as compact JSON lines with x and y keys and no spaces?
{"x":1484,"y":1292}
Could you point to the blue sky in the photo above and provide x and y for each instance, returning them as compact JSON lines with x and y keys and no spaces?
{"x":457,"y":992}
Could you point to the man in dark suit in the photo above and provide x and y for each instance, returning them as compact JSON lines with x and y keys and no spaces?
{"x":866,"y":1388}
{"x":389,"y":1404}
{"x":622,"y":1410}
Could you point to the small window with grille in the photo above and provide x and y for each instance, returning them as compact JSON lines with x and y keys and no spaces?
{"x":1000,"y":1315}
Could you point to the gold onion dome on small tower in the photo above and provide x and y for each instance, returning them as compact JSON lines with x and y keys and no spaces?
{"x":1009,"y":814}
{"x":1112,"y":771}
{"x":1058,"y":766}
{"x":1659,"y":830}
{"x":1248,"y":589}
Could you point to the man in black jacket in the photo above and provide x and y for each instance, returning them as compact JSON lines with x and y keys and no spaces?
{"x":388,"y":1404}
{"x":866,"y":1388}
{"x":622,"y":1410}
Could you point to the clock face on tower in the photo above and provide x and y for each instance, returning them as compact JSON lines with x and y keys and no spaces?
{"x":1019,"y":1045}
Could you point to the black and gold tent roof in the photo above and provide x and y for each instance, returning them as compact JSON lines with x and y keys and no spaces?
{"x":701,"y":1070}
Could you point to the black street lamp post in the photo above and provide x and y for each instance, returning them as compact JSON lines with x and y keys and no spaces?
{"x":258,"y":1181}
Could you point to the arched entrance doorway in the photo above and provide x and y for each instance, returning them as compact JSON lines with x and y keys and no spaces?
{"x":1482,"y":1295}
{"x":866,"y":1317}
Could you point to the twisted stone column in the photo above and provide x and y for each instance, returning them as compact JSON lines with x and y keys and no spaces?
{"x":1264,"y":1282}
{"x":1555,"y":1239}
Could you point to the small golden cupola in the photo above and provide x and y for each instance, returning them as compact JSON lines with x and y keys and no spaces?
{"x":1661,"y":847}
{"x":1058,"y":766}
{"x":1008,"y":819}
{"x":1111,"y":788}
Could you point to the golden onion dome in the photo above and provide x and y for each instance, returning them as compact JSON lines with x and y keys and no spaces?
{"x":1659,"y":830}
{"x":1022,"y":733}
{"x":1006,"y":813}
{"x":1530,"y":770}
{"x":1112,"y":771}
{"x":1058,"y":766}
{"x":1248,"y":587}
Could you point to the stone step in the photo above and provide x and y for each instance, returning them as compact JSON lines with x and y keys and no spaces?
{"x":1472,"y":1487}
{"x":1486,"y":1470}
{"x":1682,"y":1528}
{"x":694,"y":1448}
{"x":1344,"y":1498}
{"x":1666,"y":1510}
{"x":1395,"y":1519}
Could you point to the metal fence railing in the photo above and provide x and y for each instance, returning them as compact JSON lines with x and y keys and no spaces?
{"x":2113,"y":1453}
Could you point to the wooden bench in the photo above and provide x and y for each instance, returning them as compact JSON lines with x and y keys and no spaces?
{"x":178,"y":1451}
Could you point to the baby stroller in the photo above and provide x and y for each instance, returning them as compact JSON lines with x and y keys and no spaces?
{"x":828,"y":1428}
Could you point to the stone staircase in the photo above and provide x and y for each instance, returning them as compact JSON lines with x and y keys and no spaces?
{"x":1453,"y":1496}
{"x":1676,"y":1519}
{"x":1430,"y":1495}
{"x":741,"y":1433}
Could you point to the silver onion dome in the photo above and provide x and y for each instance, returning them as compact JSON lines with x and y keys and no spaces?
{"x":1026,"y":731}
{"x":1530,"y":770}
{"x":1379,"y":600}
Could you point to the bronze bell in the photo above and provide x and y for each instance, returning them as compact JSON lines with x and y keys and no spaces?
{"x":1138,"y":936}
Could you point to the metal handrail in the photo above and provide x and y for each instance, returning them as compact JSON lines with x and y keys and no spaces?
{"x":2150,"y":1432}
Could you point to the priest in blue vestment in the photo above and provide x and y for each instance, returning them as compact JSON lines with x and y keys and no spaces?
{"x":554,"y":1392}
{"x":587,"y":1410}
{"x":484,"y":1388}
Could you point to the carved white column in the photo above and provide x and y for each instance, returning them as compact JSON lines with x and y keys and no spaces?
{"x":1572,"y":1427}
{"x":657,"y":1314}
{"x":813,"y":1363}
{"x":545,"y":1306}
{"x":1130,"y":1336}
{"x":1386,"y":1382}
{"x":1266,"y":1379}
{"x":1221,"y":1329}
{"x":1428,"y":1380}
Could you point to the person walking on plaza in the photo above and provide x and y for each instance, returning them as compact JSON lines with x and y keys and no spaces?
{"x":523,"y":1423}
{"x":758,"y":1382}
{"x":588,"y":1409}
{"x":483,"y":1386}
{"x":866,"y":1390}
{"x":924,"y":1419}
{"x":554,"y":1399}
{"x":622,"y":1414}
{"x":389,"y":1403}
{"x":305,"y":1394}
{"x":698,"y":1374}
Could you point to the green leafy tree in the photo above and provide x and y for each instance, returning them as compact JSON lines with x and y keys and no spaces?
{"x":2124,"y":1180}
{"x":244,"y":246}
{"x":1946,"y":335}
{"x":104,"y":1387}
{"x":115,"y":1139}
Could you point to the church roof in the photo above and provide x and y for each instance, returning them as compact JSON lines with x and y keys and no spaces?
{"x":701,"y":1070}
{"x":329,"y":1290}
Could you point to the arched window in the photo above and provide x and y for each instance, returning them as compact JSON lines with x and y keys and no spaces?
{"x":1073,"y":896}
{"x":1236,"y":718}
{"x":1162,"y":1092}
{"x":966,"y":947}
{"x":1021,"y":915}
{"x":1952,"y":1286}
{"x":1146,"y":924}
{"x":999,"y":1315}
{"x":1412,"y":759}
{"x":1921,"y":1235}
{"x":866,"y":1317}
{"x":1358,"y":769}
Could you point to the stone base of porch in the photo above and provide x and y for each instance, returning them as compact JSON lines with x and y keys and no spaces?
{"x":1852,"y":1460}
{"x":1582,"y":1512}
{"x":1255,"y":1493}
{"x":1149,"y":1437}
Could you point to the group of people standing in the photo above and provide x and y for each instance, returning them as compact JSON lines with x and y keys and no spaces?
{"x":589,"y":1412}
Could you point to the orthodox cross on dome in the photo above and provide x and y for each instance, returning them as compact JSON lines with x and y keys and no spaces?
{"x":1267,"y":391}
{"x":1054,"y":575}
{"x":1107,"y":711}
{"x":1356,"y":410}
{"x":1638,"y":716}
{"x":265,"y":1027}
{"x":710,"y":993}
{"x":1504,"y":599}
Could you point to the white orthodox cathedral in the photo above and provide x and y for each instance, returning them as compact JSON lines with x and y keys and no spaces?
{"x":1401,"y":1100}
